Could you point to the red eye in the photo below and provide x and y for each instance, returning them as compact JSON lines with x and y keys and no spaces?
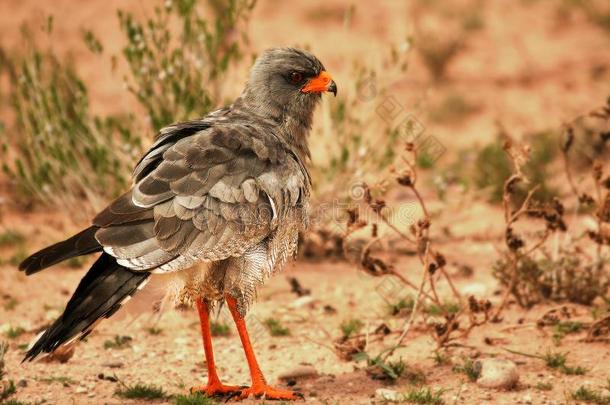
{"x":296,"y":77}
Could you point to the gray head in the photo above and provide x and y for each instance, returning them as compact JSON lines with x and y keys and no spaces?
{"x":285,"y":85}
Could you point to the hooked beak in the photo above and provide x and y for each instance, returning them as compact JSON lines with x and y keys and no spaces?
{"x":321,"y":83}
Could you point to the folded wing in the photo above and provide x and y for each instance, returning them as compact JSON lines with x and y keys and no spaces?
{"x":209,"y":196}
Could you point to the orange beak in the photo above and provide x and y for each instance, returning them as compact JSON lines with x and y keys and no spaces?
{"x":321,"y":83}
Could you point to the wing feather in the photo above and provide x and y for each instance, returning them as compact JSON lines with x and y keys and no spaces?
{"x":203,"y":192}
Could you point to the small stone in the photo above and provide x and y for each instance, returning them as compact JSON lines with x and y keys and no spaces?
{"x":497,"y":373}
{"x":299,"y":372}
{"x":303,"y":301}
{"x":116,"y":364}
{"x":478,"y":290}
{"x":527,"y":399}
{"x":81,"y":390}
{"x":388,"y":395}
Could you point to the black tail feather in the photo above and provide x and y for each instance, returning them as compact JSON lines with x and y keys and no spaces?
{"x":82,"y":243}
{"x":99,"y":295}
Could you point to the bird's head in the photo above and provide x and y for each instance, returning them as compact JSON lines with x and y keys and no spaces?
{"x":285,"y":84}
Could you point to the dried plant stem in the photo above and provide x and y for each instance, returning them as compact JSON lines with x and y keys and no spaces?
{"x":416,"y":305}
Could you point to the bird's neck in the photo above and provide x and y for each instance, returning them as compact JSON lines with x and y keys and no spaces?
{"x":293,"y":126}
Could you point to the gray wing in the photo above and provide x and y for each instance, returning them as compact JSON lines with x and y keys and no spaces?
{"x":210,"y":195}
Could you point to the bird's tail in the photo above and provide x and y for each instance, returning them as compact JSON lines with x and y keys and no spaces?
{"x":82,"y":243}
{"x":100,"y":294}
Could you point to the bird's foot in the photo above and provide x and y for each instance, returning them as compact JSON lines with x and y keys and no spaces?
{"x":267,"y":392}
{"x":217,"y":389}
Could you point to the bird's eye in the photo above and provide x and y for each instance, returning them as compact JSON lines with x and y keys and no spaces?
{"x":296,"y":77}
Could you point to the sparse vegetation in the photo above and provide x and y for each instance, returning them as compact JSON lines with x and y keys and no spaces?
{"x":494,"y":167}
{"x":64,"y":151}
{"x":350,"y":327}
{"x":544,"y":386}
{"x":119,"y":342}
{"x":468,"y":369}
{"x":140,"y":391}
{"x":11,"y":238}
{"x":220,"y":329}
{"x":65,"y":381}
{"x":154,"y":331}
{"x":7,"y":390}
{"x":425,"y":396}
{"x":193,"y":399}
{"x":557,"y":361}
{"x":565,"y":328}
{"x":590,"y":396}
{"x":14,"y":332}
{"x":179,"y":77}
{"x":527,"y":203}
{"x":275,"y":327}
{"x":10,"y":304}
{"x":381,"y":369}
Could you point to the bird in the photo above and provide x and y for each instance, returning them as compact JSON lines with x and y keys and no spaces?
{"x":215,"y":208}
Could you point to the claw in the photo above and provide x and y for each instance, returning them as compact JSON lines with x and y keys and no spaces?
{"x":217,"y":390}
{"x":267,"y":392}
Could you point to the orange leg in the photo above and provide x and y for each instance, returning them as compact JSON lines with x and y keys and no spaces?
{"x":259,"y":386}
{"x":214,"y":387}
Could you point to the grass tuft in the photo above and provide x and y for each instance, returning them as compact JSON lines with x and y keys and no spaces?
{"x":11,"y":238}
{"x":119,"y":342}
{"x":590,"y":396}
{"x":141,"y":391}
{"x":542,"y":386}
{"x":565,"y":328}
{"x":402,"y":307}
{"x":220,"y":329}
{"x":10,"y":304}
{"x":14,"y":332}
{"x":468,"y":368}
{"x":153,"y":330}
{"x":65,"y":381}
{"x":7,"y":390}
{"x":425,"y":396}
{"x":351,"y":326}
{"x":276,"y":328}
{"x":557,"y":361}
{"x":196,"y":398}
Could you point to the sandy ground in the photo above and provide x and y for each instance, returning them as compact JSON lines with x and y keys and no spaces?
{"x":174,"y":358}
{"x":527,"y":68}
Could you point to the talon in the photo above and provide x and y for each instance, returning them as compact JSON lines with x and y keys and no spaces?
{"x":217,"y":390}
{"x":271,"y":393}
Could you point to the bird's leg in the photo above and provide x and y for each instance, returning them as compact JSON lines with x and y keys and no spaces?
{"x":214,"y":387}
{"x":259,"y":386}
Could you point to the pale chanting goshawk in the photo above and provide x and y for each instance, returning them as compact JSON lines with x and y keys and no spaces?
{"x":229,"y":191}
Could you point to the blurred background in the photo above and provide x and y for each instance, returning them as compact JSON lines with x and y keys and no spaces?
{"x":461,"y":202}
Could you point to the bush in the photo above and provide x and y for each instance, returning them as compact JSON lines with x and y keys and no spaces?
{"x":64,"y":153}
{"x":493,"y":168}
{"x":179,"y":77}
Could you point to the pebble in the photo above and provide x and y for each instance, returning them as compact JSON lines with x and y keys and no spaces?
{"x":497,"y":373}
{"x":388,"y":395}
{"x":302,"y":301}
{"x":478,"y":290}
{"x":527,"y":399}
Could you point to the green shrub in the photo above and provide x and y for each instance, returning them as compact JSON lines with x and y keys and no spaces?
{"x":63,"y":152}
{"x":493,"y":168}
{"x":62,"y":148}
{"x":178,"y":76}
